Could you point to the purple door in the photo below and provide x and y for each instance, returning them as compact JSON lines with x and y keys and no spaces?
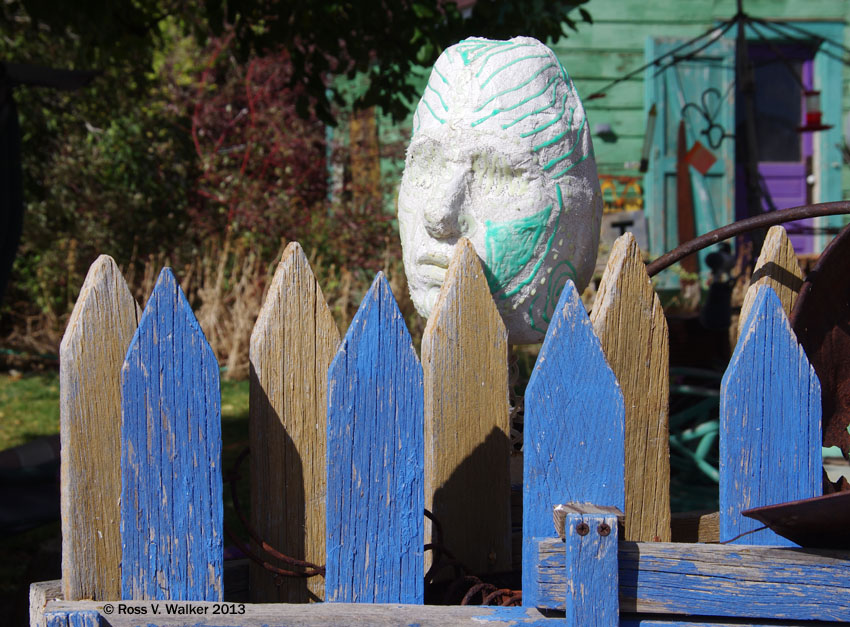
{"x":785,"y":156}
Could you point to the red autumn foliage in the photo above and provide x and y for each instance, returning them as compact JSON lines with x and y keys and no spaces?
{"x":262,"y":167}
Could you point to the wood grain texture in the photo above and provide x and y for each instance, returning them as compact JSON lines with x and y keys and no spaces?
{"x":376,"y":498}
{"x":591,"y":570}
{"x":573,"y":431}
{"x":770,"y":431}
{"x":719,"y":580}
{"x":171,"y":508}
{"x":467,"y":419}
{"x":99,"y":331}
{"x":695,"y":527}
{"x":777,"y":266}
{"x":41,"y":592}
{"x":630,"y":323}
{"x":318,"y":615}
{"x":292,"y":346}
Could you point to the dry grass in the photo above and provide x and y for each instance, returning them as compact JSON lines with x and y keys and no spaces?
{"x":226,"y":284}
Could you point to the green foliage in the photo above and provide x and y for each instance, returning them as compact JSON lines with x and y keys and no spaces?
{"x":206,"y":122}
{"x":113,"y":190}
{"x":382,"y":39}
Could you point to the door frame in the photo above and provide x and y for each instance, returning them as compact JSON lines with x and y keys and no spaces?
{"x":827,"y":158}
{"x":826,"y":154}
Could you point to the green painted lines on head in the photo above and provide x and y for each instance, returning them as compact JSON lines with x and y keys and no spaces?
{"x":536,"y":111}
{"x":464,"y":52}
{"x":514,"y":106}
{"x":507,"y":65}
{"x":560,"y":135}
{"x":557,"y":160}
{"x":553,"y":293}
{"x":470,"y":46}
{"x":438,"y":73}
{"x":509,"y":246}
{"x":572,"y":165}
{"x":555,"y":119}
{"x":564,"y":74}
{"x":549,"y":243}
{"x":492,"y":54}
{"x":439,"y":95}
{"x":517,"y":87}
{"x":436,"y":117}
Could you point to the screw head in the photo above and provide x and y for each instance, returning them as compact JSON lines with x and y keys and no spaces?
{"x":604,"y":529}
{"x":582,"y":529}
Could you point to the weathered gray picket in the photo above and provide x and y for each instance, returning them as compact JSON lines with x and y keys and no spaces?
{"x":630,"y":323}
{"x":777,"y":266}
{"x":104,"y":319}
{"x":467,"y":419}
{"x":577,"y":438}
{"x":292,"y":345}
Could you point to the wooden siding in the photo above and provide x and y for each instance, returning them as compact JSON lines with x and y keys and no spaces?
{"x":614,"y":45}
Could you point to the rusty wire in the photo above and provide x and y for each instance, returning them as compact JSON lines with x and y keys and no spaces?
{"x":469,"y":585}
{"x":464,"y":583}
{"x":312,"y":570}
{"x":746,"y":225}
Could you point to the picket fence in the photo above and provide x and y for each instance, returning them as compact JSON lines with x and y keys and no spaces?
{"x":352,"y":438}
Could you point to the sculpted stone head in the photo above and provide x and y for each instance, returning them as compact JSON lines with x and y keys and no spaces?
{"x":501,"y":154}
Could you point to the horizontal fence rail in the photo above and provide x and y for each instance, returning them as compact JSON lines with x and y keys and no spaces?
{"x":351,"y":439}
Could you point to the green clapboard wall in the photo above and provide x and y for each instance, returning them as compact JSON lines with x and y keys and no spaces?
{"x":623,"y":36}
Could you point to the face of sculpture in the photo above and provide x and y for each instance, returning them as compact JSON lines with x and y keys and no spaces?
{"x":501,"y":155}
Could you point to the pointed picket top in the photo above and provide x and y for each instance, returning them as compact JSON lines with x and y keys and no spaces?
{"x":777,"y":266}
{"x":90,"y":357}
{"x":171,"y":508}
{"x":292,"y":346}
{"x":770,"y":431}
{"x":573,"y":430}
{"x":630,"y":323}
{"x":467,"y":419}
{"x":375,"y":521}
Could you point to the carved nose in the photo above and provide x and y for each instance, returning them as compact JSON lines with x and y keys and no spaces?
{"x":443,"y":211}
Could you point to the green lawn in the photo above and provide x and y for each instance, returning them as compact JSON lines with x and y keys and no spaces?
{"x":29,"y":409}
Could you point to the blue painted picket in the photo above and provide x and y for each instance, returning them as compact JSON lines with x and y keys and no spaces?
{"x":770,"y":423}
{"x":376,"y":448}
{"x":171,"y":497}
{"x":591,"y":570}
{"x":573,"y":432}
{"x":90,"y":618}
